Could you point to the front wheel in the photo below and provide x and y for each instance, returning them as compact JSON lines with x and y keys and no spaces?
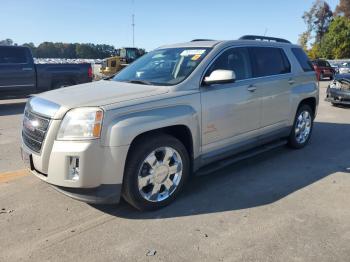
{"x":302,"y":128}
{"x":155,"y":173}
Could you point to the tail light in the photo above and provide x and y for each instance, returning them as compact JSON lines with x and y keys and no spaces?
{"x":90,"y":72}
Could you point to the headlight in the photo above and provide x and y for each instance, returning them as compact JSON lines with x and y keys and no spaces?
{"x":335,"y":85}
{"x":81,"y":124}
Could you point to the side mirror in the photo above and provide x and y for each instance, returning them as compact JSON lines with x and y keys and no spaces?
{"x":220,"y":77}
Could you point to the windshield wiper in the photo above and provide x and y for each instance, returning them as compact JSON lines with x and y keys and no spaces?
{"x":142,"y":82}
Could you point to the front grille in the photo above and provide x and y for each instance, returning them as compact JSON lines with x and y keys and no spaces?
{"x":34,"y":130}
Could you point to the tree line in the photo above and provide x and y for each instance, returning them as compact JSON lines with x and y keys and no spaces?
{"x":67,"y":50}
{"x":327,"y":32}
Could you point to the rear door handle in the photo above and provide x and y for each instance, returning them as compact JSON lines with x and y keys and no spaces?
{"x":251,"y":88}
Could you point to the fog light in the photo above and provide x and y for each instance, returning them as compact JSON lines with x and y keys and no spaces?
{"x":73,"y":172}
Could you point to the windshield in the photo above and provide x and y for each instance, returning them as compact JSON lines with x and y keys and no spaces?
{"x":163,"y":67}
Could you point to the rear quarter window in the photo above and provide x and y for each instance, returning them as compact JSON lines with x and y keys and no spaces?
{"x":268,"y":61}
{"x":303,"y":60}
{"x":9,"y":55}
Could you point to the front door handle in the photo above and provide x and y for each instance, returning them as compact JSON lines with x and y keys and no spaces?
{"x":251,"y":88}
{"x":27,"y":69}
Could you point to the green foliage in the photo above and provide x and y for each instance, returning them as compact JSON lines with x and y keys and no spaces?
{"x":331,"y":33}
{"x":336,"y":42}
{"x":7,"y":41}
{"x":66,"y":50}
{"x":303,"y":40}
{"x":318,"y":19}
{"x":314,"y":52}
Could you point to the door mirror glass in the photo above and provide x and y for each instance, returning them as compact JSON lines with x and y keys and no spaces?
{"x":220,"y":77}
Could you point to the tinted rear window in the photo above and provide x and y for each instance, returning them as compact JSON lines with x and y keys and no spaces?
{"x":323,"y":63}
{"x":10,"y":55}
{"x":303,"y":60}
{"x":269,"y":61}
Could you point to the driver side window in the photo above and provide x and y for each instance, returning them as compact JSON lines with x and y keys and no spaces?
{"x":236,"y":59}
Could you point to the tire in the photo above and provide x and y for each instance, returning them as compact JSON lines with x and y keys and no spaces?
{"x":146,"y":185}
{"x":298,"y":140}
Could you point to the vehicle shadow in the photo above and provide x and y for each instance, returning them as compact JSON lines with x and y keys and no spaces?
{"x":342,"y":106}
{"x":257,"y":181}
{"x":12,"y":108}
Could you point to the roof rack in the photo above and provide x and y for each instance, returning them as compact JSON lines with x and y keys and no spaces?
{"x":199,"y":40}
{"x":264,"y":38}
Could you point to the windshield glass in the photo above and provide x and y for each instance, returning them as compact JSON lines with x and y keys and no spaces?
{"x":163,"y":67}
{"x":131,"y":53}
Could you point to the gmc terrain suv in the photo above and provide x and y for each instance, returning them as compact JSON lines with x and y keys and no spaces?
{"x":180,"y":109}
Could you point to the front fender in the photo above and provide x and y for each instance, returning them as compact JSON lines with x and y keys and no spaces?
{"x":122,"y":130}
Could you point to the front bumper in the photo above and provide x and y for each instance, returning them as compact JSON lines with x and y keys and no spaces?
{"x":337,"y":96}
{"x":100,"y":169}
{"x":104,"y":194}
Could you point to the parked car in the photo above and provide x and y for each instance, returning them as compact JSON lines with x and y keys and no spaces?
{"x":180,"y":109}
{"x":338,"y":92}
{"x":323,"y":69}
{"x":344,"y":68}
{"x":19,"y":74}
{"x":335,"y":67}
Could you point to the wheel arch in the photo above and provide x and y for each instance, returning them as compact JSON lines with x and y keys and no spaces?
{"x":310,"y":101}
{"x":180,"y":121}
{"x":180,"y":132}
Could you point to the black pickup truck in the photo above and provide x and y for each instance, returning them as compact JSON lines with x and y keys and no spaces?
{"x":19,"y":74}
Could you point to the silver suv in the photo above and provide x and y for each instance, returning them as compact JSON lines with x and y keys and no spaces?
{"x":174,"y":112}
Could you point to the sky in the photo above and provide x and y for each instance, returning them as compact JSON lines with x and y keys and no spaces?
{"x":157,"y":22}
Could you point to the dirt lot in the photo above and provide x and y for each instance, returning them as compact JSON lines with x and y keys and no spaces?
{"x":283,"y":205}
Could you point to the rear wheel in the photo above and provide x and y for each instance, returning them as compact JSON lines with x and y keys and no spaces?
{"x":302,"y":128}
{"x":156,"y":171}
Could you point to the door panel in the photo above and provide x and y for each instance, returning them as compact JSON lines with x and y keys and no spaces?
{"x":272,"y":71}
{"x":230,"y":112}
{"x":16,"y":70}
{"x":275,"y":100}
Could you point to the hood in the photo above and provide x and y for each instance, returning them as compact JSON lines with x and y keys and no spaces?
{"x":101,"y":93}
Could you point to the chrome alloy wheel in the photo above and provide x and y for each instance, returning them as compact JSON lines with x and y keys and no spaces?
{"x":303,"y":127}
{"x":160,"y":174}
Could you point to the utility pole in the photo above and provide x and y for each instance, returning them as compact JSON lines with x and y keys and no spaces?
{"x":265,"y":31}
{"x":133,"y":30}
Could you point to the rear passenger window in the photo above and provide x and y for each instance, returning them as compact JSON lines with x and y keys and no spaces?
{"x":12,"y":55}
{"x":303,"y":60}
{"x":236,"y":59}
{"x":268,"y":61}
